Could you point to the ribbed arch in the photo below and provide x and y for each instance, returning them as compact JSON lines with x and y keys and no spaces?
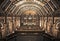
{"x":26,"y":4}
{"x":28,"y":8}
{"x":44,"y":7}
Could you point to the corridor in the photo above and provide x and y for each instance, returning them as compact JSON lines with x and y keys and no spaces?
{"x":29,"y":20}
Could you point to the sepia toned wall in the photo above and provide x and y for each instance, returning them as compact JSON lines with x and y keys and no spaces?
{"x":48,"y":27}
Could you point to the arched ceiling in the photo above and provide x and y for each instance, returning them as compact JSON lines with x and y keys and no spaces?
{"x":27,"y":7}
{"x":18,"y":7}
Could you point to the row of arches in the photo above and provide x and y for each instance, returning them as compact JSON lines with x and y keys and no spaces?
{"x":42,"y":8}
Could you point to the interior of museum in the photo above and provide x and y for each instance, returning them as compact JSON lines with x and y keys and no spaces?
{"x":29,"y":20}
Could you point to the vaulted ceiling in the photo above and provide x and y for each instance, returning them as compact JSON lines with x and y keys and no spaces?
{"x":18,"y":7}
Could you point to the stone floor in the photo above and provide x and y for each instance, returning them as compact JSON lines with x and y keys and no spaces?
{"x":29,"y":37}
